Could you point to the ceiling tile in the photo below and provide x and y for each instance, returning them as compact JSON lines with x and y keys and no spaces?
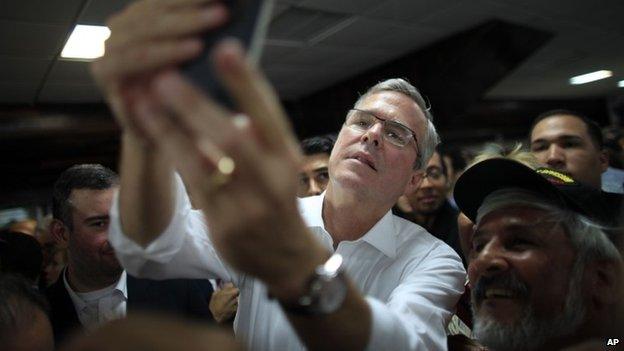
{"x":11,"y":93}
{"x":70,"y":72}
{"x":300,"y":24}
{"x":41,"y":11}
{"x":31,"y":40}
{"x":273,"y":52}
{"x":22,"y":71}
{"x":332,"y":56}
{"x":342,"y":6}
{"x":69,"y":93}
{"x":97,"y":11}
{"x":381,"y":35}
{"x":412,"y":11}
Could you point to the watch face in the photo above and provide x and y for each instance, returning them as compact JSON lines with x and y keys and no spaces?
{"x":332,"y":295}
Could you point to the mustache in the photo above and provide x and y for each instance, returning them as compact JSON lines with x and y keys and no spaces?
{"x":508,"y":281}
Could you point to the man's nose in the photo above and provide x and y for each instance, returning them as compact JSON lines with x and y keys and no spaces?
{"x":426,"y":183}
{"x":555,"y":157}
{"x":374,"y":134}
{"x":315,"y":188}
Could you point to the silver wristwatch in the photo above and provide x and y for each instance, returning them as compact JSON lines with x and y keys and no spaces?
{"x":326,"y":290}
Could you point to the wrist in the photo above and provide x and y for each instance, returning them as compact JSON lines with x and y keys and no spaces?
{"x":293,"y":285}
{"x":325,"y":290}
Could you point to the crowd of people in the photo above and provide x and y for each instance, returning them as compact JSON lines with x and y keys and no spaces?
{"x":222,"y":231}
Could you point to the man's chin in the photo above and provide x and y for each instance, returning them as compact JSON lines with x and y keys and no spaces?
{"x":505,"y":311}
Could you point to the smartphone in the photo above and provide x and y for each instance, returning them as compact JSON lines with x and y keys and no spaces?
{"x":248,"y":21}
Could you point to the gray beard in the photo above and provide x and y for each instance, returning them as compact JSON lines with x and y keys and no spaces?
{"x":532,"y":332}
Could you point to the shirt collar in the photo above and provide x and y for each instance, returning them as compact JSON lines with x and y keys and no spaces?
{"x":80,"y":304}
{"x":381,"y":236}
{"x":311,"y":209}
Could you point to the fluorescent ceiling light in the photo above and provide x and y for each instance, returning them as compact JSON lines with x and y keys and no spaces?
{"x":86,"y":42}
{"x":621,"y":84}
{"x":590,"y":77}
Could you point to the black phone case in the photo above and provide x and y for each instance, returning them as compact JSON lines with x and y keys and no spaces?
{"x":243,"y":24}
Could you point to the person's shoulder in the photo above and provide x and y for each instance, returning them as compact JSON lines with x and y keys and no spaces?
{"x":56,"y":290}
{"x":414,"y":238}
{"x":412,"y":234}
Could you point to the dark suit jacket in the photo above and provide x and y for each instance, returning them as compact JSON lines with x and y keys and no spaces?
{"x":183,"y":297}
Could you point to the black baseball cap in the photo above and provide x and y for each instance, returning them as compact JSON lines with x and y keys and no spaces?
{"x":485,"y":177}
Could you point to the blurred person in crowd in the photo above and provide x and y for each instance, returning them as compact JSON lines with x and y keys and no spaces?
{"x":455,"y":162}
{"x":570,"y":142}
{"x":615,"y":134}
{"x":42,"y":232}
{"x":54,"y":261}
{"x":94,"y":288}
{"x":313,"y":174}
{"x":543,"y":271}
{"x":154,"y":332}
{"x":24,"y":322}
{"x":26,"y":226}
{"x":613,"y":177}
{"x":429,"y":205}
{"x":20,"y":254}
{"x":339,"y":270}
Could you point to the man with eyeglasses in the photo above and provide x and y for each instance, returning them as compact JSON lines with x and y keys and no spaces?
{"x":429,"y":207}
{"x":334,"y":271}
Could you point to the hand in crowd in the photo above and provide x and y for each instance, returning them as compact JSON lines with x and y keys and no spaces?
{"x":224,"y":303}
{"x":153,"y":332}
{"x":250,"y":205}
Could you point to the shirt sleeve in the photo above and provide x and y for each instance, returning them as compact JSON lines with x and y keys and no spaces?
{"x":182,"y":250}
{"x":420,"y":307}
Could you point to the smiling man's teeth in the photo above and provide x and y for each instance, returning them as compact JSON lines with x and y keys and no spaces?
{"x":498,"y":293}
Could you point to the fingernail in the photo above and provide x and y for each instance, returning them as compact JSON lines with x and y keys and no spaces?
{"x":240,"y":121}
{"x":232,"y":47}
{"x":215,"y":14}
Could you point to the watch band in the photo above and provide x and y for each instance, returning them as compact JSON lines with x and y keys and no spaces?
{"x":325,"y":293}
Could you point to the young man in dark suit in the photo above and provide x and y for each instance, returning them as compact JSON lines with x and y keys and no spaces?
{"x":94,"y":289}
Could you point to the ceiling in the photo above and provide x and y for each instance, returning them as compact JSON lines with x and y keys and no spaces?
{"x":313,"y":44}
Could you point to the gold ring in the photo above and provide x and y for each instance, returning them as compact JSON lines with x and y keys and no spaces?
{"x":223,"y":172}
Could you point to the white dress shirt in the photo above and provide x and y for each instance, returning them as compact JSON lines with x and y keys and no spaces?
{"x":95,"y":308}
{"x":410,"y":279}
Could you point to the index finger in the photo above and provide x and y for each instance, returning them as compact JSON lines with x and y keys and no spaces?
{"x":255,"y":96}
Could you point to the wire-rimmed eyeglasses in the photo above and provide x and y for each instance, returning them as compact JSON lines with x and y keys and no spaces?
{"x":393,"y":131}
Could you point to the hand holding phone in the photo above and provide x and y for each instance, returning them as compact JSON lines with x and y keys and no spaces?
{"x":248,"y":22}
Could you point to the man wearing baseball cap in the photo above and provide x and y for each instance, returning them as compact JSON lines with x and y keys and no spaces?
{"x":546,"y":269}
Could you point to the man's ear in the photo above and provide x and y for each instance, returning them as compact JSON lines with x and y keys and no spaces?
{"x":604,"y":282}
{"x":414,"y":183}
{"x":59,"y":232}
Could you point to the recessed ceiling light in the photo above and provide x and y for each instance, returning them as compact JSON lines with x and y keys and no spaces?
{"x":590,"y":77}
{"x":86,"y":42}
{"x":621,"y":84}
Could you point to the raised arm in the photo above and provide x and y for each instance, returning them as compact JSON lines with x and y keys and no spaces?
{"x":252,"y":213}
{"x":147,"y":38}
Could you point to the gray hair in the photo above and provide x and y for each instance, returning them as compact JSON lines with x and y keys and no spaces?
{"x":431,"y":140}
{"x":588,"y":238}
